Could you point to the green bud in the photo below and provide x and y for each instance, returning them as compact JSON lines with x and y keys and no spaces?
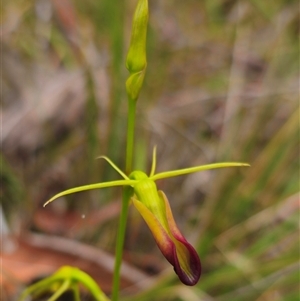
{"x":136,"y":58}
{"x":134,"y":84}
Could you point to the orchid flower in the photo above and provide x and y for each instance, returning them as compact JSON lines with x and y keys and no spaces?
{"x":155,"y":209}
{"x":64,"y":279}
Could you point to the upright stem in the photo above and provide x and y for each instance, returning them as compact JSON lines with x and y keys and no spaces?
{"x":127,"y":193}
{"x":136,"y":63}
{"x":130,"y":134}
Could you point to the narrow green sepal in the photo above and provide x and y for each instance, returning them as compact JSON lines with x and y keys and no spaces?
{"x":91,"y":187}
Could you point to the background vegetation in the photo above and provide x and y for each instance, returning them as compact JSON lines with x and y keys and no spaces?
{"x":222,"y":84}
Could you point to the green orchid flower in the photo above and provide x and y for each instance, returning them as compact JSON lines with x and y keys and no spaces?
{"x":64,"y":279}
{"x":155,"y":209}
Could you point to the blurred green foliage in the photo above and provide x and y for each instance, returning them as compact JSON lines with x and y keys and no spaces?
{"x":221,"y":85}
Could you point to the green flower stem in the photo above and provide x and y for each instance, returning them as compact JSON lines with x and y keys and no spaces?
{"x":127,"y":192}
{"x":130,"y":134}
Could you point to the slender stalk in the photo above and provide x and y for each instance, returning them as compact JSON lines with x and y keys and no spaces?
{"x":130,"y":134}
{"x":127,"y":192}
{"x":136,"y":63}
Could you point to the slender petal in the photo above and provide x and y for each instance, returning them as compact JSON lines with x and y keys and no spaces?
{"x":170,"y":241}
